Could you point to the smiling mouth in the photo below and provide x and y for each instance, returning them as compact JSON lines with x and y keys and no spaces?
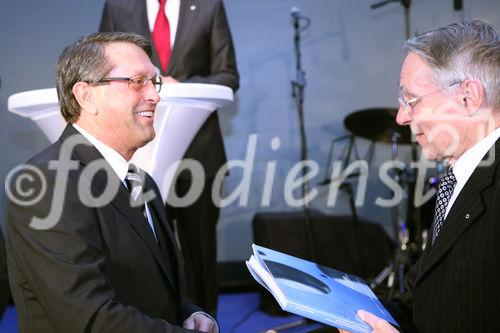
{"x":147,"y":114}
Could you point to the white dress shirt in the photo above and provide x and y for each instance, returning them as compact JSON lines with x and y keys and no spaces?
{"x":118,"y":163}
{"x":172,"y":8}
{"x":468,"y":162}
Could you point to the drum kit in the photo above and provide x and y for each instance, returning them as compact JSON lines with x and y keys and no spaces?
{"x":378,"y":125}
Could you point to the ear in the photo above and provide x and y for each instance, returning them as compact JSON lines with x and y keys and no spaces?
{"x":85,"y":96}
{"x":472,"y":96}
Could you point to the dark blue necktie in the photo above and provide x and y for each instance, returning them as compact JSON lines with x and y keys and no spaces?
{"x":445,"y":190}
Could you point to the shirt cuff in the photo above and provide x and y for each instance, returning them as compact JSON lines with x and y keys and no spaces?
{"x":211,"y":318}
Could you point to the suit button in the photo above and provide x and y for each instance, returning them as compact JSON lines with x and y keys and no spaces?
{"x":467,"y":216}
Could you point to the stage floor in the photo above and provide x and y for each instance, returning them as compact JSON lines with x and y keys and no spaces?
{"x":237,"y":313}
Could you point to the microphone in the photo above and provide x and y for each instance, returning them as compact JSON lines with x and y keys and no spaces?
{"x":458,"y":5}
{"x":295,"y":12}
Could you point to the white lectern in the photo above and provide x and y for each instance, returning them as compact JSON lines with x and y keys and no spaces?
{"x":183,"y":109}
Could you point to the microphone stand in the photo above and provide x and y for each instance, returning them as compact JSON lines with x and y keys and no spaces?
{"x":298,"y":88}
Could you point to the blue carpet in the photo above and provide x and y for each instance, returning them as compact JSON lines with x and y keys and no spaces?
{"x":237,"y":313}
{"x":9,"y":321}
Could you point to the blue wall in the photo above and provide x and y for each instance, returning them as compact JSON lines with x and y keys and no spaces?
{"x":351,"y":54}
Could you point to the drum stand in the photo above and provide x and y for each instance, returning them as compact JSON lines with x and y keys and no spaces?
{"x":402,"y":257}
{"x":395,"y":271}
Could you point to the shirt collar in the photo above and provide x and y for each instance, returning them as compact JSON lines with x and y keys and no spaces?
{"x":118,"y":163}
{"x":172,"y":11}
{"x":467,"y":163}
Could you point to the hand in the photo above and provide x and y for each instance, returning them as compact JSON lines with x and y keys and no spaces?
{"x":378,"y":324}
{"x":198,"y":321}
{"x":168,"y":79}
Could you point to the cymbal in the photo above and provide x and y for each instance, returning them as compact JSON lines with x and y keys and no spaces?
{"x":377,"y":124}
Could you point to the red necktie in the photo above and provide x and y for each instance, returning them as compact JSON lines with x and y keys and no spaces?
{"x":161,"y":36}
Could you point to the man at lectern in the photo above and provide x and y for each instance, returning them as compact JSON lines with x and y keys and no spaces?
{"x":191,"y":43}
{"x":450,"y":97}
{"x":88,"y":243}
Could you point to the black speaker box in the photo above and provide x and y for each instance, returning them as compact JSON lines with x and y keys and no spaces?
{"x":357,"y":247}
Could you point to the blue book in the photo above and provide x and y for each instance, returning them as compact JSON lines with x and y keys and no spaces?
{"x":316,"y":292}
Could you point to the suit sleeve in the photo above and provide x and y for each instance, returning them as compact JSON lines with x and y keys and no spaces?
{"x":107,"y":23}
{"x":62,"y":268}
{"x":223,"y":68}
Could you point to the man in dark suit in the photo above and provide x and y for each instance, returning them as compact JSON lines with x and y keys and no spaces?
{"x":202,"y":51}
{"x":91,"y":249}
{"x":450,"y":97}
{"x":4,"y":281}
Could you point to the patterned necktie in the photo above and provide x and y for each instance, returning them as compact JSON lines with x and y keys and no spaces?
{"x":445,"y":190}
{"x":134,"y":185}
{"x":161,"y":36}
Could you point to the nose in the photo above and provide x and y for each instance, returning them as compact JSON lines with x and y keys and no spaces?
{"x":150,"y":93}
{"x":403,"y":118}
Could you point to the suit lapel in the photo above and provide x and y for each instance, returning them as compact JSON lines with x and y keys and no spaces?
{"x":158,"y":209}
{"x":169,"y":243}
{"x":465,"y":211}
{"x":86,"y":154}
{"x":187,"y":18}
{"x":137,"y":12}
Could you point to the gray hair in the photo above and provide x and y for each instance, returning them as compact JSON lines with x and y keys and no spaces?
{"x":460,"y":51}
{"x":86,"y":61}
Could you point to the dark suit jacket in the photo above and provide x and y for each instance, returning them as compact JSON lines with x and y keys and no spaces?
{"x":99,"y":268}
{"x":203,"y":53}
{"x":456,"y":283}
{"x":4,"y":281}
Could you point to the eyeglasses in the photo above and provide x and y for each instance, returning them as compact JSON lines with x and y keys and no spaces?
{"x":407,"y":105}
{"x":136,"y":82}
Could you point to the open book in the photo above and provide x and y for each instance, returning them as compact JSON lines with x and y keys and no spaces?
{"x":314,"y":291}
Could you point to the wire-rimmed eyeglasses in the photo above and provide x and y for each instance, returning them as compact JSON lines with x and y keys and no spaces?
{"x":409,"y":104}
{"x":135,"y":82}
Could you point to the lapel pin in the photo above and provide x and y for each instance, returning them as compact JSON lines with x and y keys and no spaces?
{"x":467,"y":216}
{"x":193,"y":7}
